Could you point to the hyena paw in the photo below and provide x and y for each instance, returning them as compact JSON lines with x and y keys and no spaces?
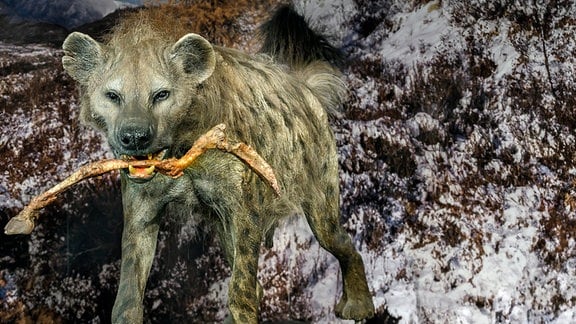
{"x":355,"y":308}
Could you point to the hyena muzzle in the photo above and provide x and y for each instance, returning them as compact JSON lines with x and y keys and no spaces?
{"x":153,"y":94}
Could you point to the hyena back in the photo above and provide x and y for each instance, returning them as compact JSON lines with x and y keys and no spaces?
{"x":153,"y":94}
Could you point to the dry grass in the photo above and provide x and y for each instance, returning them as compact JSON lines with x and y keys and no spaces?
{"x":223,"y":22}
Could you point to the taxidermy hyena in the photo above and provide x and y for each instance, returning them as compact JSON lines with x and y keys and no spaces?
{"x":153,"y":94}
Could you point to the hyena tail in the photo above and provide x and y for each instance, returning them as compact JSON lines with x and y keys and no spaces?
{"x":288,"y":38}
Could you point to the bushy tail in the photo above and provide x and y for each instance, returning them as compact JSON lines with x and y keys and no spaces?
{"x":288,"y":38}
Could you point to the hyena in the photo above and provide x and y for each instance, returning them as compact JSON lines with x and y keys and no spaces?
{"x":153,"y":94}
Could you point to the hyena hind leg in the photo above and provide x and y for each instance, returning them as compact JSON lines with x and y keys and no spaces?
{"x":356,"y":302}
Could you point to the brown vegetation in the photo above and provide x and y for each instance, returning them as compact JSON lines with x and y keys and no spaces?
{"x":223,"y":22}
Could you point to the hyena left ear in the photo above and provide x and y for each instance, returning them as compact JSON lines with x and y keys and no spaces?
{"x":82,"y":54}
{"x":194,"y":55}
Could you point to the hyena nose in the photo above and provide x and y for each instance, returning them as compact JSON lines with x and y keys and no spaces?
{"x":135,"y":137}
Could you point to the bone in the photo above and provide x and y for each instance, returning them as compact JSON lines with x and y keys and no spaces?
{"x":215,"y":138}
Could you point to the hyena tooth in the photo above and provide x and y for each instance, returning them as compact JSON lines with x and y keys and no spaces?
{"x":139,"y":172}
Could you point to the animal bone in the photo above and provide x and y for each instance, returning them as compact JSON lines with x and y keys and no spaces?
{"x":215,"y":138}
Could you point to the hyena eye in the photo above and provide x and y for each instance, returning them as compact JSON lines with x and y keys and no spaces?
{"x":113,"y":96}
{"x":161,"y":96}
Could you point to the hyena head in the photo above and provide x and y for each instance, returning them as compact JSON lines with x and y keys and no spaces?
{"x":138,"y":89}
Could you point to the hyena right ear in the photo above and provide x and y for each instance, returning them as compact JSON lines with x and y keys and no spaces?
{"x":82,"y":54}
{"x":194,"y":55}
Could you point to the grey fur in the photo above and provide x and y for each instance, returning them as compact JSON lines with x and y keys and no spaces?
{"x":149,"y":91}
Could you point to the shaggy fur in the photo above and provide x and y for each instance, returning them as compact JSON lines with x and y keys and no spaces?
{"x":154,"y":93}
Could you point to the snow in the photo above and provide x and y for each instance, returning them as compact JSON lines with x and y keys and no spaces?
{"x":418,"y":36}
{"x":503,"y":53}
{"x":328,"y":16}
{"x":498,"y":275}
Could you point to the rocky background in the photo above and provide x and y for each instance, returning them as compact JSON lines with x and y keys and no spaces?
{"x":457,"y":149}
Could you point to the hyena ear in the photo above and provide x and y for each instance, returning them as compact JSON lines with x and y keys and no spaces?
{"x":194,"y":55}
{"x":82,"y":54}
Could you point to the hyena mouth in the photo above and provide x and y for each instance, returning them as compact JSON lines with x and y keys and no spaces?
{"x":143,"y":173}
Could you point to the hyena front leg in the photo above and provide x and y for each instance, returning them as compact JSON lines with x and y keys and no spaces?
{"x":243,"y":294}
{"x":229,"y":250}
{"x":139,"y":239}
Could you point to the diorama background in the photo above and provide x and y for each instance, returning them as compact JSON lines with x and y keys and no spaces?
{"x":457,"y":166}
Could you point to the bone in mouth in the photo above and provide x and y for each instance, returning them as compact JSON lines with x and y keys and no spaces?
{"x":143,"y":172}
{"x":215,"y":138}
